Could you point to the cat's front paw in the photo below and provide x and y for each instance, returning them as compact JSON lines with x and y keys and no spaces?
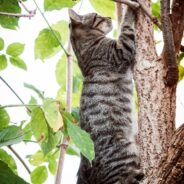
{"x":134,"y":177}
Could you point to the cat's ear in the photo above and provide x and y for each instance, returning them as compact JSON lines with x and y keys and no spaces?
{"x":74,"y":17}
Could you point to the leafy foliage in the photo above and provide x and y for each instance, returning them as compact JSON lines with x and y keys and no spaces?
{"x":5,"y":157}
{"x":52,"y":114}
{"x":10,"y":6}
{"x":7,"y":176}
{"x":46,"y":44}
{"x":156,"y":9}
{"x":39,"y":175}
{"x":3,"y":62}
{"x":105,"y":8}
{"x":58,"y":4}
{"x":4,"y":118}
{"x":80,"y":138}
{"x":11,"y":135}
{"x":18,"y":62}
{"x":1,"y":44}
{"x":15,"y":49}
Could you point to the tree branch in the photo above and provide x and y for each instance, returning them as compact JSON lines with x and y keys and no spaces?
{"x":65,"y":140}
{"x":177,"y":18}
{"x":169,"y":52}
{"x":171,"y":168}
{"x":20,"y":159}
{"x":137,"y":5}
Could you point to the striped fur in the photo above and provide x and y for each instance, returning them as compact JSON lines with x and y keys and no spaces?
{"x":106,"y":100}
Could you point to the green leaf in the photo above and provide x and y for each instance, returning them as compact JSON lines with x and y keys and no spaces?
{"x":27,"y":130}
{"x":50,"y":5}
{"x":72,"y":150}
{"x":80,"y":138}
{"x":52,"y":166}
{"x":11,"y":135}
{"x":35,"y":89}
{"x":75,"y":113}
{"x":77,"y":83}
{"x":39,"y":125}
{"x":52,"y":114}
{"x":18,"y":62}
{"x":156,"y":9}
{"x":32,"y":101}
{"x":4,"y":118}
{"x":47,"y":139}
{"x":62,"y":28}
{"x":37,"y":159}
{"x":46,"y":44}
{"x":10,"y":6}
{"x":61,"y":72}
{"x":7,"y":176}
{"x":1,"y":44}
{"x":181,"y":56}
{"x":105,"y":8}
{"x":181,"y":72}
{"x":39,"y":175}
{"x":3,"y":62}
{"x":51,"y":142}
{"x":15,"y":49}
{"x":5,"y":157}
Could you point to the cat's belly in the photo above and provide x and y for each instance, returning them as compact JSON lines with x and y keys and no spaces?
{"x":106,"y":106}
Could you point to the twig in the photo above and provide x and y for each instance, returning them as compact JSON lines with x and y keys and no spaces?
{"x":80,"y":6}
{"x":137,"y":5}
{"x":20,"y":159}
{"x":18,"y":15}
{"x":19,"y":105}
{"x":52,"y":31}
{"x":25,"y":8}
{"x":131,"y":4}
{"x":30,"y":141}
{"x":13,"y":91}
{"x":65,"y":141}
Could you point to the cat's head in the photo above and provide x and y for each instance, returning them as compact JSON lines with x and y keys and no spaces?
{"x":90,"y":22}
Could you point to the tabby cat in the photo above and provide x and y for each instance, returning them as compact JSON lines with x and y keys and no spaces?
{"x":106,"y":100}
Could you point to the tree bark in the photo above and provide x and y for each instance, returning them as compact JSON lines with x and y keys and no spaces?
{"x":171,"y":168}
{"x":157,"y":102}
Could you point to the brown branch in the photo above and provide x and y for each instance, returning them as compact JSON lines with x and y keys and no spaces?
{"x":177,"y":18}
{"x":65,"y":140}
{"x":171,"y":168}
{"x":137,"y":5}
{"x":169,"y":52}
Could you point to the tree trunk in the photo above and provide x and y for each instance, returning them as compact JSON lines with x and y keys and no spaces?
{"x":157,"y":102}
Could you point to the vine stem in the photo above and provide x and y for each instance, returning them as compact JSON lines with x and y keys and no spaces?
{"x":65,"y":141}
{"x":52,"y":31}
{"x":13,"y":91}
{"x":20,"y":159}
{"x":19,"y":105}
